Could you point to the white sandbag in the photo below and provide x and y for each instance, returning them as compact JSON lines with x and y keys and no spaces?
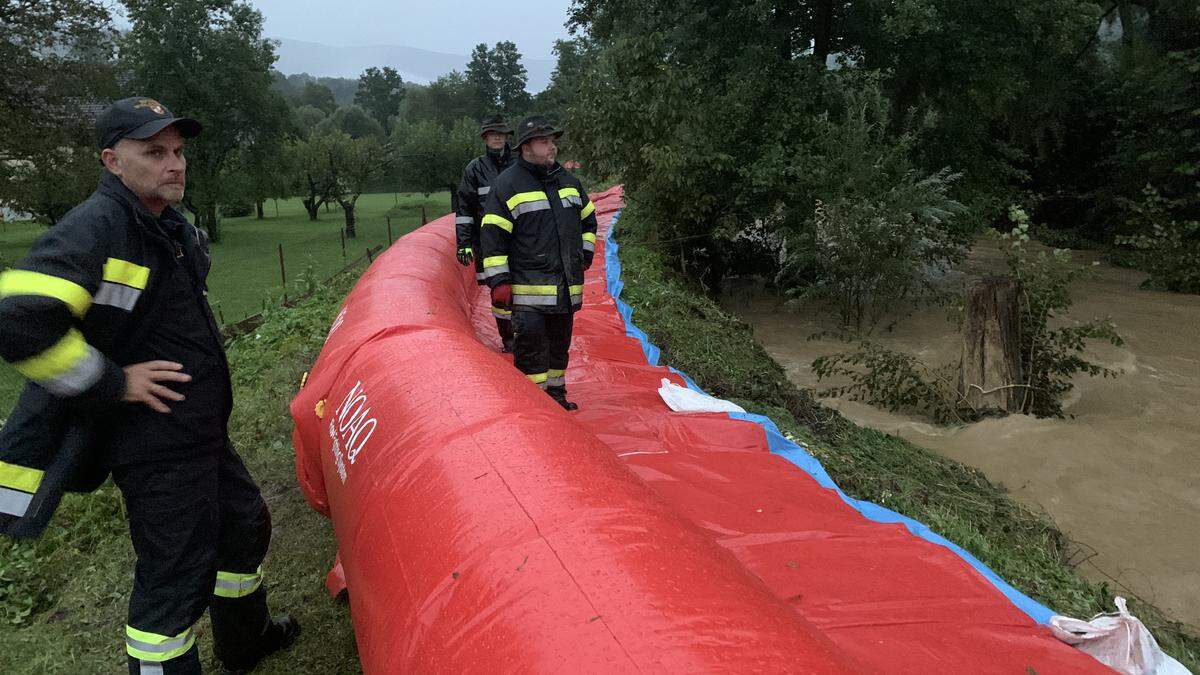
{"x":1119,"y":641}
{"x":682,"y":399}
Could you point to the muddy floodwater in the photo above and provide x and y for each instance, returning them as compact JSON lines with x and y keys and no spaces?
{"x":1120,"y":475}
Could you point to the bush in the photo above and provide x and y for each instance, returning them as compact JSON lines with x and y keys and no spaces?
{"x":894,"y":381}
{"x":1051,"y":356}
{"x":881,"y":230}
{"x":1170,"y":247}
{"x":238,"y":209}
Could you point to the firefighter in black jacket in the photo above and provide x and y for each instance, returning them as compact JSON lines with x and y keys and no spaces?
{"x":538,"y":237}
{"x":472,"y":193}
{"x":107,"y":317}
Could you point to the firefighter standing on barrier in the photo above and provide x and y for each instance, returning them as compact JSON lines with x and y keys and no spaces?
{"x":538,"y":236}
{"x":108,"y":318}
{"x":472,"y":193}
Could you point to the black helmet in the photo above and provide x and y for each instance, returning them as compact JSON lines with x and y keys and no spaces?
{"x":494,"y":123}
{"x":535,"y":127}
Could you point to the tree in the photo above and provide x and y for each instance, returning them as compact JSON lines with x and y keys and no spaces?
{"x":309,"y":159}
{"x":431,"y":158}
{"x":53,"y":57}
{"x":446,"y":100}
{"x":498,"y":80}
{"x":52,"y":184}
{"x":510,"y":78}
{"x":380,"y":93}
{"x":354,"y":164}
{"x":306,"y":118}
{"x":568,"y":73}
{"x":479,"y":76}
{"x":353,"y":121}
{"x":206,"y":59}
{"x":318,"y":96}
{"x":262,"y":160}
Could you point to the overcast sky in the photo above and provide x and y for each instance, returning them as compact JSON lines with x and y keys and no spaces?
{"x":450,"y":26}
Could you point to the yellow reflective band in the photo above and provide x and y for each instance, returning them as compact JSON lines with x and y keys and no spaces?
{"x":557,"y":373}
{"x":235,"y":585}
{"x":126,"y":273}
{"x":587,"y":210}
{"x":157,"y":648}
{"x":495,"y":261}
{"x":522,"y":197}
{"x":521,"y":289}
{"x":538,"y":378}
{"x":576,"y":290}
{"x":499,"y":221}
{"x":57,"y":360}
{"x":589,"y":236}
{"x":23,"y":282}
{"x":568,"y":192}
{"x":20,"y":477}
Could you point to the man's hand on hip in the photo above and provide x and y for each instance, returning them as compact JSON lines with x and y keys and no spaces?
{"x":142,"y":383}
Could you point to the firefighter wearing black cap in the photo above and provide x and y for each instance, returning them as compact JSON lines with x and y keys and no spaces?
{"x":107,"y":317}
{"x":472,"y":192}
{"x":538,"y":237}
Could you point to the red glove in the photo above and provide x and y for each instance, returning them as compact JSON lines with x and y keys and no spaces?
{"x":502,"y":296}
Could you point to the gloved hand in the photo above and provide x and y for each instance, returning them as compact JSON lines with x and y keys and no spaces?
{"x":502,"y":296}
{"x":587,"y":260}
{"x":466,"y":256}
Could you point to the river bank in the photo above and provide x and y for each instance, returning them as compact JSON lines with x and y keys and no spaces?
{"x":1120,"y":474}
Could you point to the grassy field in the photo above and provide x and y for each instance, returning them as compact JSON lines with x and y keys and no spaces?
{"x":245,"y":276}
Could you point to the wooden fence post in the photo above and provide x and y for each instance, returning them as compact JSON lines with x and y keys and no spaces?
{"x":283,"y":274}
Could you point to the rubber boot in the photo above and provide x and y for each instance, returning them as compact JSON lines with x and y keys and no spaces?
{"x":279,"y":634}
{"x":560,"y":397}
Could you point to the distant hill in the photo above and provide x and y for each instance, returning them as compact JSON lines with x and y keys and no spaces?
{"x":414,"y":65}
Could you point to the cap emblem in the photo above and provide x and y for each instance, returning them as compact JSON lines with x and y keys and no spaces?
{"x":154,"y":106}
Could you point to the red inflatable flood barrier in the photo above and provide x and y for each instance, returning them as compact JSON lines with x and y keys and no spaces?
{"x":482,"y":528}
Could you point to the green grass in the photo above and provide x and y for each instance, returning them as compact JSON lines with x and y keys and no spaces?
{"x":245,"y":272}
{"x":63,"y":597}
{"x":719,"y":352}
{"x":245,"y":277}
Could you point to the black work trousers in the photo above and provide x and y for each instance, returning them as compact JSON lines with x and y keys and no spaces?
{"x":200,"y":529}
{"x":542,"y":346}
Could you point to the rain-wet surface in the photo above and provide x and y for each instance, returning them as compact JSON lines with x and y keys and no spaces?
{"x":1120,"y":474}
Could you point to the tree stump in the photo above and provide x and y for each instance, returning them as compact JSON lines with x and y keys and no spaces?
{"x":991,"y":373}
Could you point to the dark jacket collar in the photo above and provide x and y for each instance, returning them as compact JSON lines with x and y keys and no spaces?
{"x":501,"y":158}
{"x":111,"y":186}
{"x":540,"y":172}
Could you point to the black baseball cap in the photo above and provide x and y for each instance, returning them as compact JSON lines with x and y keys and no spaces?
{"x":535,"y":127}
{"x":139,"y":118}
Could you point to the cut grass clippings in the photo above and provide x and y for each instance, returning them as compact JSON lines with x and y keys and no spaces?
{"x":719,"y":352}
